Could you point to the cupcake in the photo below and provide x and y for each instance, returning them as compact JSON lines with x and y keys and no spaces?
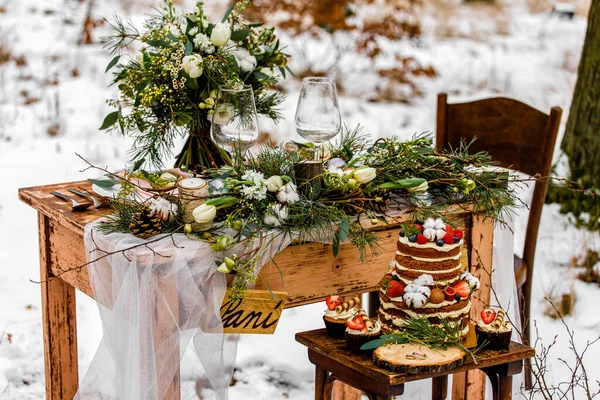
{"x":361,"y":329}
{"x":337,"y":313}
{"x":493,"y":329}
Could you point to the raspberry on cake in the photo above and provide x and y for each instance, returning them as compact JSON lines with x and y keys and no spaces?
{"x":428,"y":269}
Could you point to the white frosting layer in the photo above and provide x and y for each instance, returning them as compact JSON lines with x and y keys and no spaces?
{"x":376,"y":328}
{"x":343,"y":315}
{"x":456,"y":257}
{"x":399,"y":322}
{"x":422,"y":271}
{"x":448,"y":314}
{"x":430,"y":245}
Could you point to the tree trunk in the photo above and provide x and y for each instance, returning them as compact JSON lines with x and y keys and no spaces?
{"x":582,"y":136}
{"x":581,"y":142}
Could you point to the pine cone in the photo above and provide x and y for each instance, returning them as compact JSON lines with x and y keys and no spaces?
{"x":145,"y":224}
{"x":382,"y":205}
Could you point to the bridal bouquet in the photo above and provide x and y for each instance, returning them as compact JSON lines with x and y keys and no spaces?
{"x":168,"y":88}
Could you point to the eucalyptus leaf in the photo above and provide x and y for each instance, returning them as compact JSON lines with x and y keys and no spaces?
{"x":158,"y":43}
{"x":112,"y":63}
{"x":344,"y":228}
{"x":373,"y":344}
{"x":110,"y":120}
{"x":189,"y":47}
{"x":104,"y":183}
{"x":228,"y":12}
{"x":238,"y":36}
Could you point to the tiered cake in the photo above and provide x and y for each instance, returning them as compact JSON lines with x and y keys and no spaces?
{"x":427,"y":278}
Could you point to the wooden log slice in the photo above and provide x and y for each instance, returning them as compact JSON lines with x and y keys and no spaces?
{"x":417,"y":359}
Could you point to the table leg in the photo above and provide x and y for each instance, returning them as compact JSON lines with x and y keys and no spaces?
{"x":439,"y":389}
{"x":58,"y":323}
{"x":320,"y":378}
{"x":505,"y":387}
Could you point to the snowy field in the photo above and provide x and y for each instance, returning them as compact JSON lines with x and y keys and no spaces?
{"x":52,"y":101}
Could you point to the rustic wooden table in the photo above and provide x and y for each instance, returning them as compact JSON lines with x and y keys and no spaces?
{"x":334,"y":362}
{"x":310,"y":272}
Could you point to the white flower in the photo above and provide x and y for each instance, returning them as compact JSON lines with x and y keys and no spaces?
{"x":193,"y":31}
{"x":439,"y":224}
{"x":192,"y":65}
{"x":365,"y":174}
{"x":274,"y":183}
{"x":276,"y":215}
{"x":139,"y":57}
{"x":429,"y":233}
{"x":223,"y":114}
{"x":429,"y":223}
{"x":416,"y":300}
{"x":202,"y":42}
{"x":245,"y":60}
{"x":410,"y":288}
{"x":220,"y":34}
{"x":204,"y":213}
{"x":440,"y":233}
{"x":254,"y":176}
{"x":288,"y":194}
{"x":424,"y":290}
{"x":256,"y":192}
{"x":419,"y":188}
{"x":424,"y":280}
{"x":163,"y":208}
{"x":336,"y":164}
{"x":471,"y":280}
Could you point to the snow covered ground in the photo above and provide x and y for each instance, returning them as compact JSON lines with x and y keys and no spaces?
{"x":52,"y":102}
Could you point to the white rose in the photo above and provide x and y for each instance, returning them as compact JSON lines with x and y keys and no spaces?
{"x":365,"y":174}
{"x":192,"y":65}
{"x":220,"y":34}
{"x":245,"y":60}
{"x":274,"y":183}
{"x":204,"y":213}
{"x":223,"y":114}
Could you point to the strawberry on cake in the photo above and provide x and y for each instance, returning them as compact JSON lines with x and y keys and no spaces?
{"x":427,"y":279}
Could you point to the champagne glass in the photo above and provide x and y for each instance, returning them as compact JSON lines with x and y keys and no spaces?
{"x":234,"y":125}
{"x":318,"y":116}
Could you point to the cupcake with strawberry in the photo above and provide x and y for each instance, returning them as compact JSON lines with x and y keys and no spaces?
{"x":361,"y":329}
{"x":338,"y":311}
{"x":493,"y":331}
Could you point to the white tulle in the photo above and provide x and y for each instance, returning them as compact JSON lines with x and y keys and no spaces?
{"x":154,"y":301}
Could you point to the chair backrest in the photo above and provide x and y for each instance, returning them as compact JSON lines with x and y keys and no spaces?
{"x":516,"y":135}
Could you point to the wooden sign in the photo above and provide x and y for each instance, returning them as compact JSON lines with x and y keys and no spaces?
{"x":257,"y":313}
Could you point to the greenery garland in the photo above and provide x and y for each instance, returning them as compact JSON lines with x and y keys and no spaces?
{"x":262,"y":199}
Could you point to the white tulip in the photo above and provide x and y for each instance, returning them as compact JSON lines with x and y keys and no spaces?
{"x":245,"y":60}
{"x":274,"y":183}
{"x":220,"y":34}
{"x":139,"y":57}
{"x":192,"y":65}
{"x":204,"y":214}
{"x":365,"y":174}
{"x":419,"y":189}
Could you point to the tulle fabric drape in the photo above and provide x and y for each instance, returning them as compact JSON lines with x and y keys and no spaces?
{"x":154,"y":301}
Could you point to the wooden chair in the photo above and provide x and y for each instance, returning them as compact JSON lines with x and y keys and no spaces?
{"x":519,"y":137}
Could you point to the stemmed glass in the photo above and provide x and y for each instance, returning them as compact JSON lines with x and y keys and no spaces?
{"x":234,"y":125}
{"x":318,"y":116}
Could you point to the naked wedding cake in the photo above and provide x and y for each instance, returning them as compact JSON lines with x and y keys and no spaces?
{"x":427,"y":279}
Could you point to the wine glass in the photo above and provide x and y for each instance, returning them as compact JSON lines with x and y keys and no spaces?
{"x":234,"y":125}
{"x":318,"y":116}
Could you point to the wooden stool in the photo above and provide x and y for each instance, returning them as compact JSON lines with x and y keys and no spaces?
{"x":334,"y":362}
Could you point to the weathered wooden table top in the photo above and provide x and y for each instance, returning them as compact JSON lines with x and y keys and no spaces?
{"x":318,"y":341}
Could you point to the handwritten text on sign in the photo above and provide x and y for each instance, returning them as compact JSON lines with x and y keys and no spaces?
{"x":256,"y":313}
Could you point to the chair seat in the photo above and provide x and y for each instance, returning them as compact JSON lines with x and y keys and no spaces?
{"x":520,"y":271}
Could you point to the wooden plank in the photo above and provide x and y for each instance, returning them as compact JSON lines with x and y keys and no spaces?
{"x":257,"y":313}
{"x":471,"y":385}
{"x":59,"y":325}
